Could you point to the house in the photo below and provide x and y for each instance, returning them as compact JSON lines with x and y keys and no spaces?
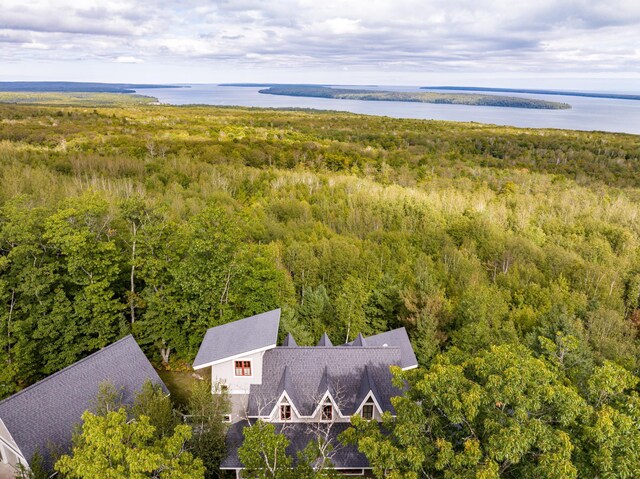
{"x":42,"y":417}
{"x":308,"y":392}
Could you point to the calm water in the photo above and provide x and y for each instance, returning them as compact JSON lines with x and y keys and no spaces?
{"x":586,"y":113}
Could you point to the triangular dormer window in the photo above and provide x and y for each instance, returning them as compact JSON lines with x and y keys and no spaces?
{"x":367,"y":409}
{"x":327,"y":410}
{"x":285,"y":410}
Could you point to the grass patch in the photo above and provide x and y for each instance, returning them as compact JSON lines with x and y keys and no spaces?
{"x":180,"y":384}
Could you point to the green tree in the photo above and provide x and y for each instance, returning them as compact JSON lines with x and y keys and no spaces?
{"x":612,"y":435}
{"x":112,"y":447}
{"x":259,"y":283}
{"x":82,"y":234}
{"x":500,"y":413}
{"x":207,"y":413}
{"x":151,"y":401}
{"x":350,"y":308}
{"x":108,"y":399}
{"x":263,"y":453}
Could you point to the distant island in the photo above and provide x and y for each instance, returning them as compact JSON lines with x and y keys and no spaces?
{"x":419,"y":97}
{"x":76,"y":87}
{"x":615,"y":96}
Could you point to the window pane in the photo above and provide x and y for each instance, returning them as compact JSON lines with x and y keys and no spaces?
{"x":327,"y":413}
{"x":243,"y":368}
{"x":367,"y":411}
{"x":285,"y":412}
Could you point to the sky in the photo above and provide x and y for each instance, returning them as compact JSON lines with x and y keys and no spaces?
{"x":578,"y":44}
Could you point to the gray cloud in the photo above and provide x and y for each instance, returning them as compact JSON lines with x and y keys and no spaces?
{"x":416,"y":35}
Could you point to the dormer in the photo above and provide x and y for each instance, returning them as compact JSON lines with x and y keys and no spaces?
{"x":234,"y":351}
{"x":285,"y":407}
{"x":325,"y":341}
{"x":367,"y":402}
{"x":289,"y":342}
{"x":327,"y":408}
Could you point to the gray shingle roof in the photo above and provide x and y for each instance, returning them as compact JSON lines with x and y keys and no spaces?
{"x":325,"y":341}
{"x":286,"y":384}
{"x":45,"y":413}
{"x":368,"y":384}
{"x":397,"y":338}
{"x":289,"y":341}
{"x":248,"y":334}
{"x":340,"y":368}
{"x":359,"y":341}
{"x":299,"y":435}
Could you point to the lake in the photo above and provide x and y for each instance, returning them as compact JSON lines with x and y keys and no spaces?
{"x":601,"y":114}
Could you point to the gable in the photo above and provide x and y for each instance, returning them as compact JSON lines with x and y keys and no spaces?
{"x":228,"y":341}
{"x":46,"y":412}
{"x":315,"y":370}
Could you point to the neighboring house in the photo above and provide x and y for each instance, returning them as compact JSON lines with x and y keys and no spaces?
{"x":42,"y":417}
{"x":309,"y":392}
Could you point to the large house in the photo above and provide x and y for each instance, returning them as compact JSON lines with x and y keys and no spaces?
{"x":308,"y":392}
{"x":42,"y":417}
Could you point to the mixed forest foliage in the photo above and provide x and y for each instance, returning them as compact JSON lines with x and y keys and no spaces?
{"x":474,"y":99}
{"x":511,"y":256}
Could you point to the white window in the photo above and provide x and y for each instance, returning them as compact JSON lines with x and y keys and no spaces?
{"x":327,"y":411}
{"x":367,"y":410}
{"x":285,"y":412}
{"x":243,"y":368}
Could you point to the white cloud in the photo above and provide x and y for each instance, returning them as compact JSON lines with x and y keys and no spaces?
{"x":128,"y":59}
{"x":399,"y":35}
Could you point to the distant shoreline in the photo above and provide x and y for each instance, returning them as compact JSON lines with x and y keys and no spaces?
{"x":470,"y":99}
{"x":614,"y":96}
{"x":77,"y":87}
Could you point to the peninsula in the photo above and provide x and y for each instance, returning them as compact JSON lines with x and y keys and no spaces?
{"x":473,"y":99}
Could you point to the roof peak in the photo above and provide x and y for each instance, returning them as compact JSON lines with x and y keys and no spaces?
{"x":67,"y":368}
{"x":289,"y":341}
{"x":325,"y":341}
{"x":251,"y":334}
{"x":359,"y":341}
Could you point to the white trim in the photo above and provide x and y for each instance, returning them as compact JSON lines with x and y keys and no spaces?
{"x":326,"y":396}
{"x":277,"y":408}
{"x":237,"y":469}
{"x":238,"y":391}
{"x":375,"y":402}
{"x":235,"y":356}
{"x":16,"y":450}
{"x":340,"y":469}
{"x":410,"y":367}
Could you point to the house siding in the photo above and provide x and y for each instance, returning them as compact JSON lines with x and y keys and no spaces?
{"x":224,"y":373}
{"x":8,"y":448}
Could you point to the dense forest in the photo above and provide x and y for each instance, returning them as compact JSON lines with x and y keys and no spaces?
{"x":510,"y":255}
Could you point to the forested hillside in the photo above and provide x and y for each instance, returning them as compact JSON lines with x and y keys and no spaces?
{"x":166,"y":221}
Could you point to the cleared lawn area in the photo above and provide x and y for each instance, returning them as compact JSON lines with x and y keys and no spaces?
{"x":179,"y":384}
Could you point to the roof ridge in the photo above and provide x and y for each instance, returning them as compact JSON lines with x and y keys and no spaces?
{"x":341,"y":347}
{"x":71,"y":366}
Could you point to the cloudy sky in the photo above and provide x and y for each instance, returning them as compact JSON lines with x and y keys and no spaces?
{"x":580,"y":43}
